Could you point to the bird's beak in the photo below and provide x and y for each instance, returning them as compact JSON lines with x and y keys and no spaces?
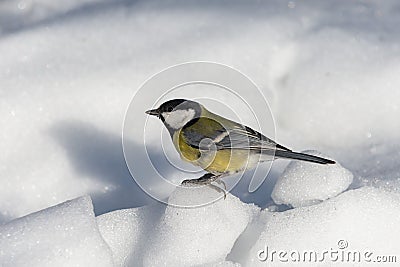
{"x":154,"y":112}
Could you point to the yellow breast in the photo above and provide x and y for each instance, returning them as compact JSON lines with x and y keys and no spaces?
{"x":220,"y":161}
{"x":186,"y":152}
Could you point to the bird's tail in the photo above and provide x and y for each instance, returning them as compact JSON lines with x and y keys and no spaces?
{"x":301,"y":156}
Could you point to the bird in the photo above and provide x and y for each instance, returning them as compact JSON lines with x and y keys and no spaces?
{"x":218,"y":145}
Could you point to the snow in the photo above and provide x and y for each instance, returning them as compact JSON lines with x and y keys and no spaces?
{"x":220,"y":233}
{"x":63,"y":235}
{"x":125,"y":231}
{"x":365,"y":218}
{"x":303,"y":183}
{"x":197,"y":235}
{"x":69,"y":70}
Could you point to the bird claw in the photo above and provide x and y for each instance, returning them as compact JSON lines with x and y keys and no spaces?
{"x":221,"y":182}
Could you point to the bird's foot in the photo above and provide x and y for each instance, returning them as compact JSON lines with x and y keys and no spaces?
{"x":207,"y":179}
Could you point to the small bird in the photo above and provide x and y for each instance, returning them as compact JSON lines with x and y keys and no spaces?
{"x":218,"y":145}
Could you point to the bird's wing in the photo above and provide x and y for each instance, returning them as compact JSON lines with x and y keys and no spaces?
{"x":243,"y":137}
{"x":230,"y":136}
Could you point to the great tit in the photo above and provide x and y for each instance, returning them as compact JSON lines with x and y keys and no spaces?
{"x":218,"y":145}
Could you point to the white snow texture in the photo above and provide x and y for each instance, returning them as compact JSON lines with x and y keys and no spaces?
{"x":63,"y":235}
{"x":303,"y":184}
{"x":69,"y":69}
{"x":365,"y":218}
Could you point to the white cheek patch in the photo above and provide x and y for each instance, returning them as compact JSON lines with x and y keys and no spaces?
{"x":178,"y":118}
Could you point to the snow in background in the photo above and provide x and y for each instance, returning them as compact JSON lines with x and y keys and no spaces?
{"x":68,"y":70}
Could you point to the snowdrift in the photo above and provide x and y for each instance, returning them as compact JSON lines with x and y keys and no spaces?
{"x":224,"y":233}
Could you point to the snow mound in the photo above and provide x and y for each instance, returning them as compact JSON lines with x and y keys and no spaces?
{"x":63,"y":235}
{"x":200,"y":235}
{"x":303,"y":183}
{"x":357,"y":221}
{"x":125,"y":231}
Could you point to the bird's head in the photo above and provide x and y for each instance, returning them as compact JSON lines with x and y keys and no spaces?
{"x":176,"y":113}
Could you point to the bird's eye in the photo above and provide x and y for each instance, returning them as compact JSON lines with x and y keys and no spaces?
{"x":170,"y":109}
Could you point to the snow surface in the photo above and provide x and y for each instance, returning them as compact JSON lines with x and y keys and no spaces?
{"x":63,"y":235}
{"x":365,"y":218}
{"x":68,"y":71}
{"x":225,"y":233}
{"x":303,"y":183}
{"x":192,"y":236}
{"x":126,"y":231}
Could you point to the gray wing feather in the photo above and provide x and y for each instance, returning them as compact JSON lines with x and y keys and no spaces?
{"x":245,"y":138}
{"x":239,"y":137}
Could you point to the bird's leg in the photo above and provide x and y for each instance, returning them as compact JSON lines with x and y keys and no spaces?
{"x":207,"y":179}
